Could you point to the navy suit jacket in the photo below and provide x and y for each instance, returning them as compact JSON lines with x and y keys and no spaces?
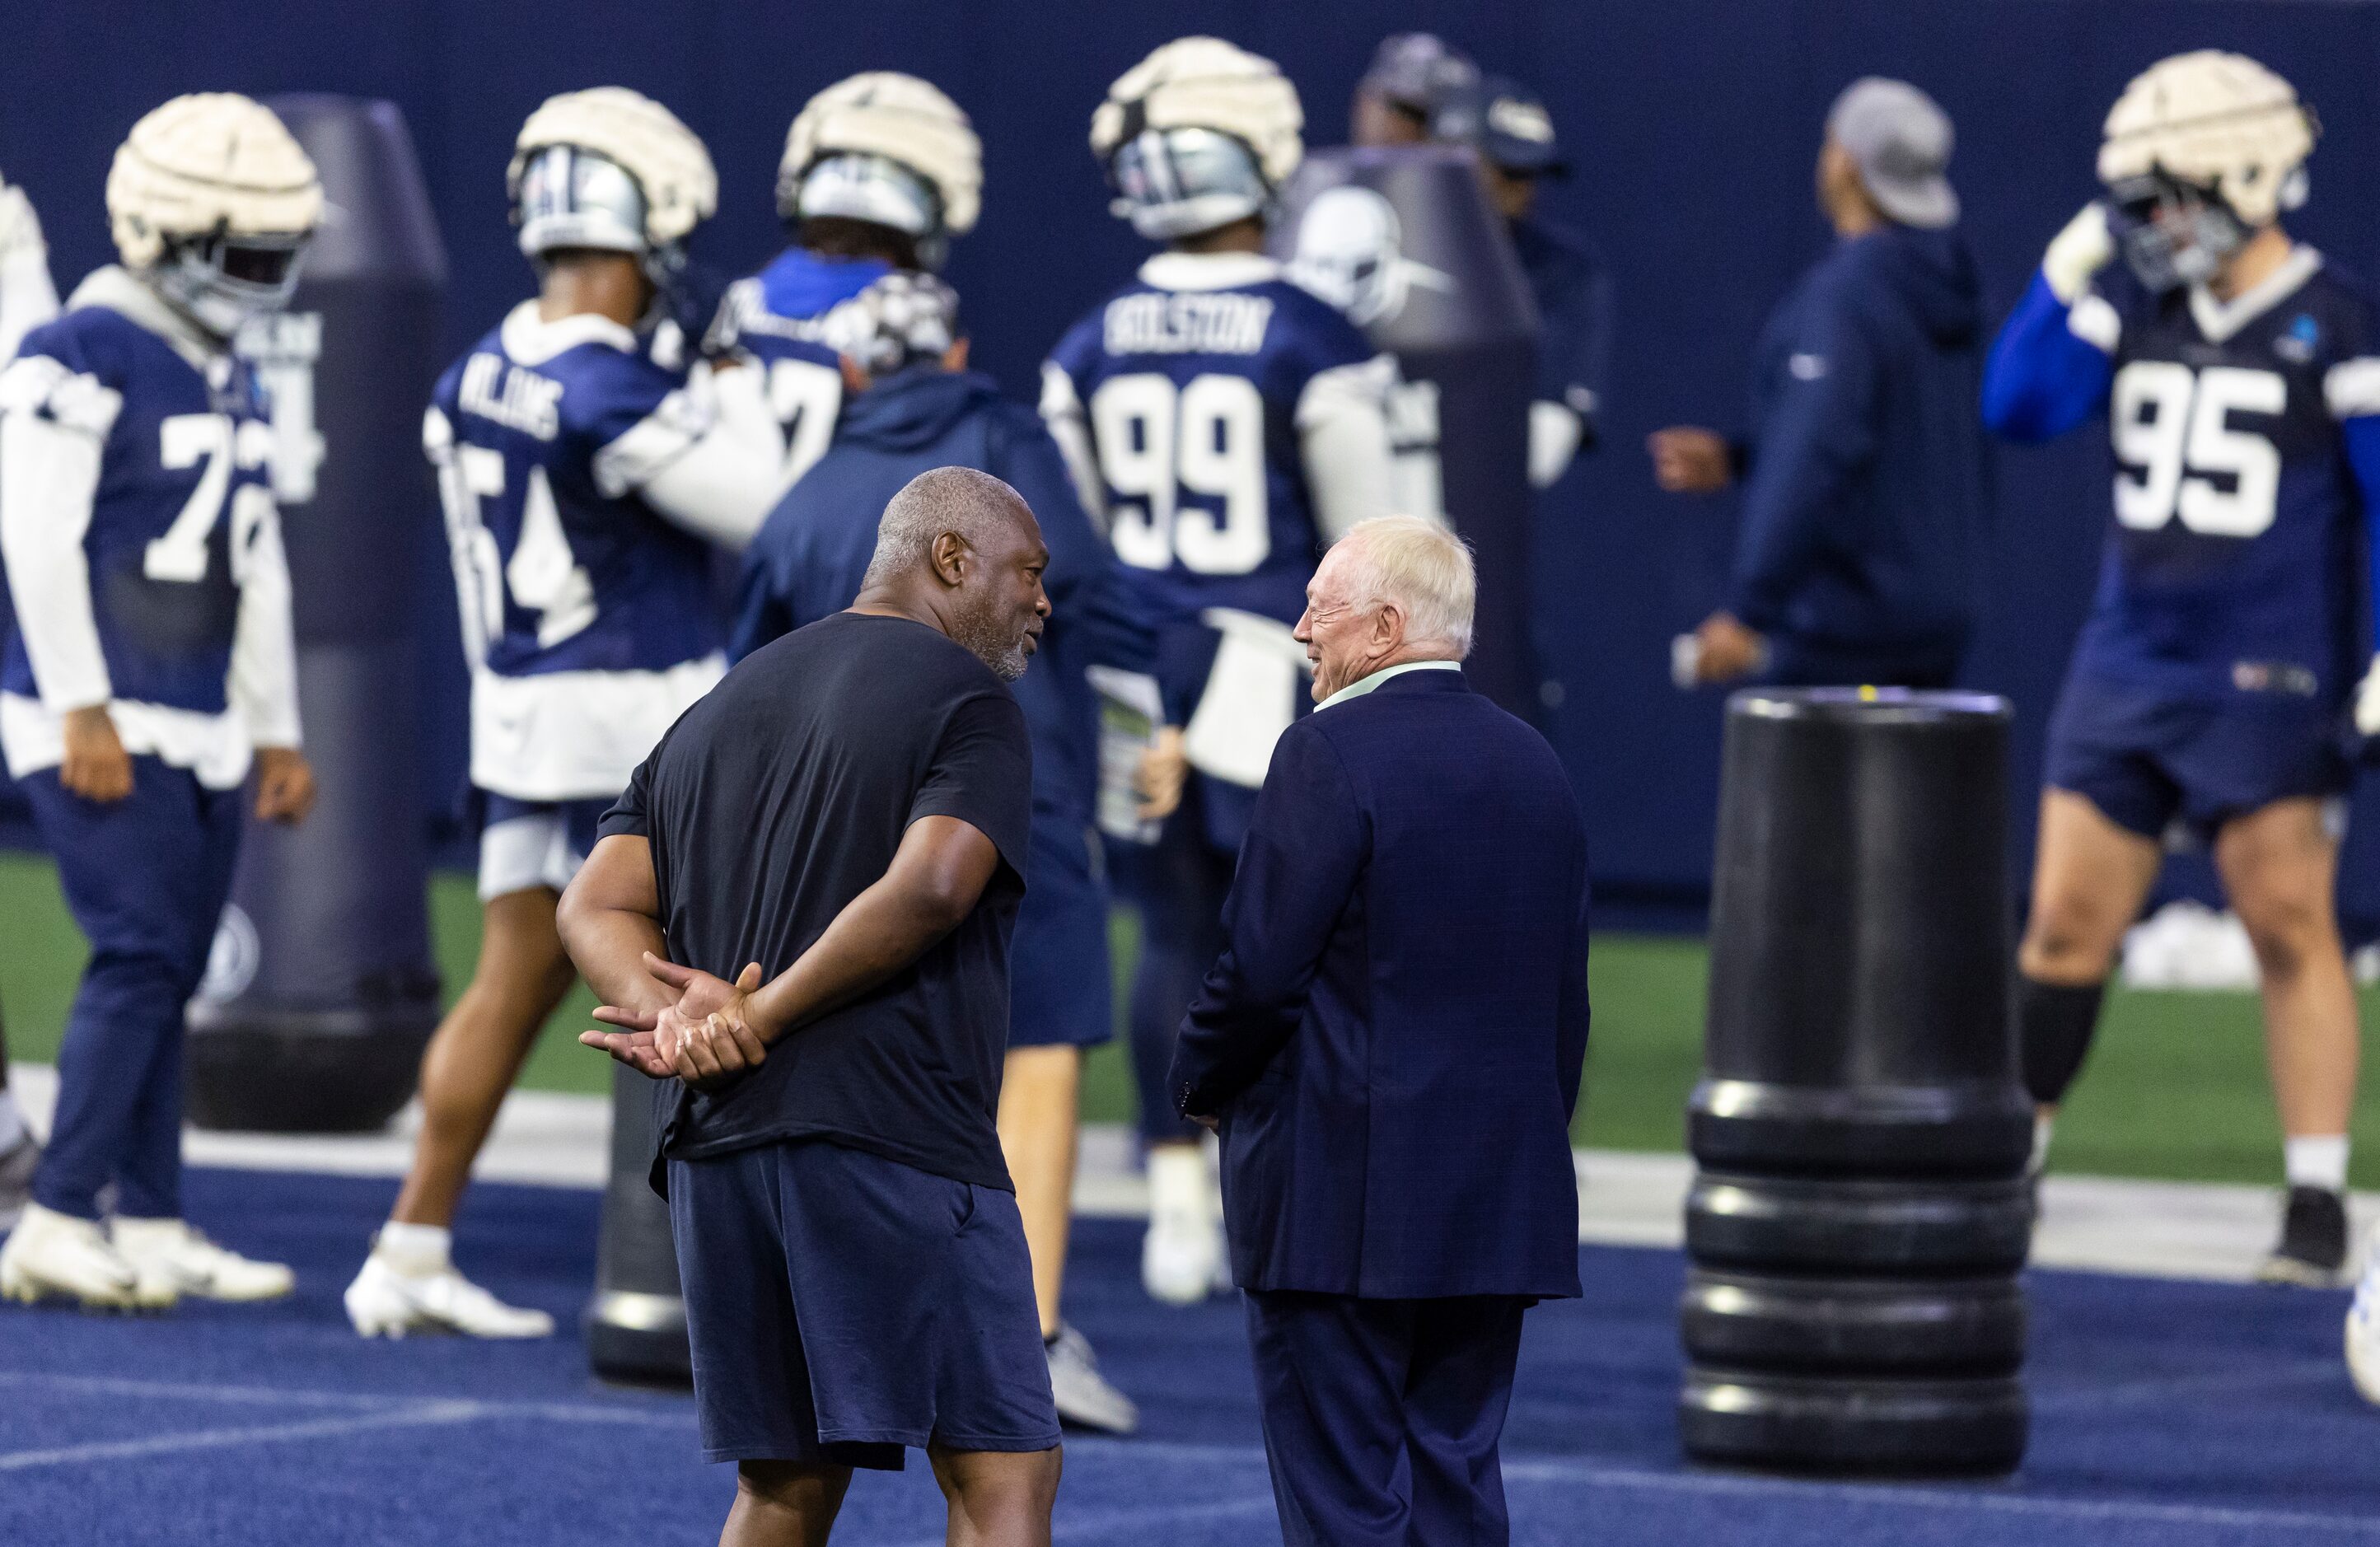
{"x":1394,"y":1033}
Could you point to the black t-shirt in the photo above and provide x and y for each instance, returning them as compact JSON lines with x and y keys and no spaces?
{"x":779,"y":798}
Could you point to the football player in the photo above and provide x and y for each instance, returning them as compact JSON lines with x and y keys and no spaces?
{"x":1508,"y":127}
{"x":150,"y":666}
{"x":2240,"y":377}
{"x":27,"y":300}
{"x":880,"y":171}
{"x":585,"y":486}
{"x":1224,"y":425}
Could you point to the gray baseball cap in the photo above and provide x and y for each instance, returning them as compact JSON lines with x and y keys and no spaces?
{"x":1901,"y":139}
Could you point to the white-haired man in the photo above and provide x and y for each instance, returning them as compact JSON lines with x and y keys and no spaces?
{"x":1405,"y":959}
{"x":1224,"y":426}
{"x":880,"y":171}
{"x":585,"y":486}
{"x":149,"y":666}
{"x":2240,"y":377}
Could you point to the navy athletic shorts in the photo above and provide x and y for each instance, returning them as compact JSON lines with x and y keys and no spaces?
{"x":2148,"y":759}
{"x":1059,"y":990}
{"x":843,"y":1307}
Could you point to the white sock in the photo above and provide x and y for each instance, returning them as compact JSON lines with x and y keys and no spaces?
{"x":2316,"y":1162}
{"x":1177,"y":1181}
{"x":12,"y":1122}
{"x":417,"y":1251}
{"x":2039,"y":1161}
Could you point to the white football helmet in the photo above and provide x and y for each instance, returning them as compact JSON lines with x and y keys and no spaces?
{"x":888,"y":149}
{"x":2202,"y":151}
{"x":212,"y":201}
{"x":1197,"y":134}
{"x":611,"y":169}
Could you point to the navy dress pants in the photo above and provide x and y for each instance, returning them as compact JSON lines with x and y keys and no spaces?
{"x":1381,"y":1416}
{"x":146,"y":878}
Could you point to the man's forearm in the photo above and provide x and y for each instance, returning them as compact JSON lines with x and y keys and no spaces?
{"x":608,"y":945}
{"x":878,"y":933}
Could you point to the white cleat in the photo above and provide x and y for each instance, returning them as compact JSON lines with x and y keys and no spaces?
{"x":385,"y":1301}
{"x":175,"y":1260}
{"x":1084,"y":1397}
{"x":1181,"y":1255}
{"x":2363,"y":1331}
{"x":51,"y":1254}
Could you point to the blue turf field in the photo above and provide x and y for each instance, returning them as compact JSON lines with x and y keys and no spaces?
{"x":2166,"y":1414}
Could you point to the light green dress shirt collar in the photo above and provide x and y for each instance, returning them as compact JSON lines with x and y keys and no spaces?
{"x":1363,"y":685}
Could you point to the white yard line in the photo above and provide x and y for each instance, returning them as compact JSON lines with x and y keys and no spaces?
{"x":260,"y":1434}
{"x":1981,"y":1499}
{"x":2107,"y":1225}
{"x":676,"y":1414}
{"x":1525,"y":1470}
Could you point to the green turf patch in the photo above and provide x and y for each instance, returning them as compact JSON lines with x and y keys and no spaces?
{"x":2176,"y":1086}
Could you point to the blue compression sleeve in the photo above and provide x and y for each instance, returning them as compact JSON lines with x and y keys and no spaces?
{"x":2041,"y":380}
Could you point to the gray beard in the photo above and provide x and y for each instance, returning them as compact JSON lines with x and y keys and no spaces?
{"x":981,"y":636}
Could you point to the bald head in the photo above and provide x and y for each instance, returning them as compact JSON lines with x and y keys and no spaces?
{"x":959,"y":550}
{"x":980,"y":510}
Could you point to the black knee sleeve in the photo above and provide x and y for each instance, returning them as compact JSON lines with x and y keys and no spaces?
{"x":2053,"y":1026}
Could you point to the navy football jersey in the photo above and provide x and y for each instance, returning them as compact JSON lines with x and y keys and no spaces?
{"x":775,"y":316}
{"x":589,"y":618}
{"x":1194,"y":384}
{"x":184,"y":489}
{"x":2231,"y":559}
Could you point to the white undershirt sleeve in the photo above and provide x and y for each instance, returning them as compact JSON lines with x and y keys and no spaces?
{"x":1061,"y":411}
{"x":710,"y":458}
{"x":49,"y":473}
{"x":264,"y":685}
{"x":1342,"y":426}
{"x":28,"y":300}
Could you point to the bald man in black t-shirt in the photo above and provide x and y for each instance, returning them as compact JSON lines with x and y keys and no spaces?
{"x":841,"y":828}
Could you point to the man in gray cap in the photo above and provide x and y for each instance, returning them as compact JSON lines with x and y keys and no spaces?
{"x":1863,"y":469}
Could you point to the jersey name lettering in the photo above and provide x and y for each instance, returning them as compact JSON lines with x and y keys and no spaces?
{"x":523,"y":400}
{"x":1187,"y":323}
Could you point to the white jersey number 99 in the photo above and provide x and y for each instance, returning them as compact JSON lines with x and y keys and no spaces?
{"x":1160,"y":448}
{"x":2173,"y":436}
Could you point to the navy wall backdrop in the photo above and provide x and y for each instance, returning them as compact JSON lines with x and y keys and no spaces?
{"x":1693,"y":124}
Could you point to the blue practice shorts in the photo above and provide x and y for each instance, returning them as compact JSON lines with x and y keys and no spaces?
{"x":1059,"y":990}
{"x":2148,"y":760}
{"x":843,"y":1307}
{"x":533,"y":843}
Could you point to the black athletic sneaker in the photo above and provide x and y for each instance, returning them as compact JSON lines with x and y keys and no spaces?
{"x":2312,"y":1250}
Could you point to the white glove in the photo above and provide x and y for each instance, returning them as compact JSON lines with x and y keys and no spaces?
{"x":2367,"y":701}
{"x":1555,"y":432}
{"x":2078,"y":252}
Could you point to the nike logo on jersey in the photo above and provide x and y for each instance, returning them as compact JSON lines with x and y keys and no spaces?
{"x":1191,"y":322}
{"x":493,"y":388}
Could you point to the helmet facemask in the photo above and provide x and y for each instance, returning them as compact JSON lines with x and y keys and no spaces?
{"x":2174,"y":233}
{"x":1179,"y":182}
{"x":222,"y":280}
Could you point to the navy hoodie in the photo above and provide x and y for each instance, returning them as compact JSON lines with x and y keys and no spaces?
{"x":811,"y":554}
{"x":1867,"y":492}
